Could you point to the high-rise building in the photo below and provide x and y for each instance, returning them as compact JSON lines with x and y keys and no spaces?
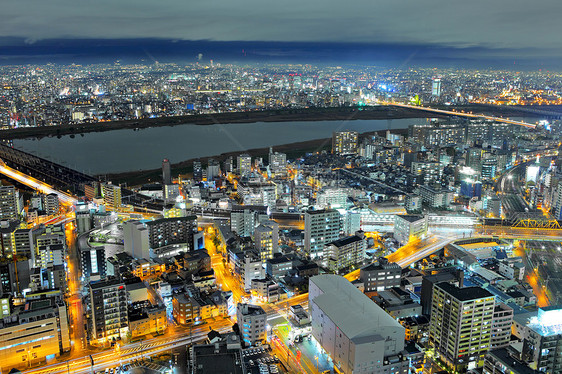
{"x":111,"y":196}
{"x":244,"y":221}
{"x":436,"y":87}
{"x":345,"y":252}
{"x":92,"y":262}
{"x":461,"y":325}
{"x":52,"y":205}
{"x":501,"y":326}
{"x":252,"y":321}
{"x":244,"y":164}
{"x":167,"y":231}
{"x":10,"y":203}
{"x":213,"y":169}
{"x":108,"y":307}
{"x":166,"y":172}
{"x":136,"y":239}
{"x":197,"y":171}
{"x":543,"y":341}
{"x":266,"y":237}
{"x":320,"y":228}
{"x":345,"y":142}
{"x":356,"y":333}
{"x":277,"y":163}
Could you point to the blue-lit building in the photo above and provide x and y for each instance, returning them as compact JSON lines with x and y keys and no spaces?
{"x":471,"y":189}
{"x":542,"y":346}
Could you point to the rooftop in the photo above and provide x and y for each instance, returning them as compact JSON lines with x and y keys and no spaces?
{"x":345,"y":241}
{"x":410,"y":217}
{"x":466,"y":293}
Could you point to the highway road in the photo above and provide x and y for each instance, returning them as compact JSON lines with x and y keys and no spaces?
{"x":36,"y":184}
{"x":460,"y":114}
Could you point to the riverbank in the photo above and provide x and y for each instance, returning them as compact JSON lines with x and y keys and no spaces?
{"x":293,"y":150}
{"x":281,"y":115}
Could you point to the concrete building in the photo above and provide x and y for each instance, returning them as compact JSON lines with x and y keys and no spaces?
{"x":52,"y":204}
{"x":461,"y":325}
{"x":33,"y":333}
{"x":505,"y":361}
{"x":356,"y":333}
{"x":278,"y":267}
{"x":345,"y":252}
{"x":320,"y":228}
{"x":501,"y":326}
{"x":381,"y":275}
{"x":10,"y":203}
{"x":244,"y":164}
{"x":136,"y":239}
{"x":435,"y":198}
{"x":167,"y":231}
{"x":148,"y":320}
{"x":108,"y":308}
{"x":252,"y":321}
{"x":92,"y":262}
{"x":345,"y":142}
{"x":409,"y":227}
{"x":277,"y":164}
{"x":244,"y":221}
{"x":224,"y":356}
{"x":166,"y":172}
{"x":266,"y":237}
{"x":111,"y":196}
{"x":543,"y":341}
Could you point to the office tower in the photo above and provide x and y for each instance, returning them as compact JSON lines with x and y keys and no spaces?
{"x":345,"y":142}
{"x":356,"y":333}
{"x":92,"y":262}
{"x":33,"y":333}
{"x":108,"y":307}
{"x":266,"y":237}
{"x":244,"y":164}
{"x":166,"y":172}
{"x":10,"y":204}
{"x":52,"y":205}
{"x":197,"y":171}
{"x":320,"y":228}
{"x":136,"y":239}
{"x":213,"y":169}
{"x":111,"y":196}
{"x":380,"y":275}
{"x":542,"y":344}
{"x":345,"y":252}
{"x":461,"y":325}
{"x":252,"y":321}
{"x":436,"y":87}
{"x":409,"y":227}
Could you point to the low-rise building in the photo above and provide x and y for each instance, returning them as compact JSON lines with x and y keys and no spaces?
{"x":380,"y":275}
{"x":344,"y":253}
{"x":408,"y":227}
{"x":252,"y":321}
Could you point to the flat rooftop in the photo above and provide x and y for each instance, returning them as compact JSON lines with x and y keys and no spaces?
{"x":466,"y":293}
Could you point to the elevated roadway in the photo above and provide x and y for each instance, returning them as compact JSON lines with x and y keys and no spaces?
{"x":460,"y":114}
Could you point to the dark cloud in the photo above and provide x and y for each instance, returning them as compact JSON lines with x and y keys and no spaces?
{"x":484,"y":23}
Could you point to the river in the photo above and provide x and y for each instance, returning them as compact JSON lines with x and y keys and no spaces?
{"x":127,"y":150}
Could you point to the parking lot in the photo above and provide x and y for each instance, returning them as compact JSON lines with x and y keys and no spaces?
{"x":260,"y":361}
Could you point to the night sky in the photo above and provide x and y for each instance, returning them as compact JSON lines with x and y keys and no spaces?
{"x":396,"y":33}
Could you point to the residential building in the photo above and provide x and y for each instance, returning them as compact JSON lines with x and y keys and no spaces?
{"x":435,"y":198}
{"x":10,"y":203}
{"x":148,"y":320}
{"x":461,"y":325}
{"x":345,"y":142}
{"x":505,"y":361}
{"x":167,"y":231}
{"x":320,"y":228}
{"x":266,"y":238}
{"x":252,"y":321}
{"x":543,"y":341}
{"x":345,"y":252}
{"x":501,"y":326}
{"x":111,"y":196}
{"x":108,"y":308}
{"x":244,"y":164}
{"x":136,"y":239}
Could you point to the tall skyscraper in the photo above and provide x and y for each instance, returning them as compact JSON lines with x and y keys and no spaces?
{"x":436,"y":87}
{"x":166,"y":172}
{"x":345,"y":142}
{"x":320,"y":228}
{"x":461,"y":325}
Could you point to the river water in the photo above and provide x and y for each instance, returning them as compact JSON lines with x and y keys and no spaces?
{"x":127,"y":150}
